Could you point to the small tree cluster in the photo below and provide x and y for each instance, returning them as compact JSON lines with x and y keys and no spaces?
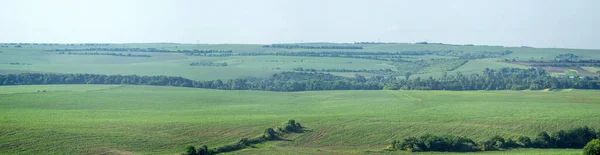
{"x":573,"y":138}
{"x":269,"y":134}
{"x":445,"y":143}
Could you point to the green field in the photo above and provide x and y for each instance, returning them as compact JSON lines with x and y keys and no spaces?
{"x":177,"y":64}
{"x":113,"y":119}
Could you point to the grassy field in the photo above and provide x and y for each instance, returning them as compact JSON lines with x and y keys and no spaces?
{"x":112,"y":119}
{"x":177,"y":64}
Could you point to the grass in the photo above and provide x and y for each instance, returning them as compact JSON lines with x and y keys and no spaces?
{"x":176,"y":64}
{"x":98,"y":119}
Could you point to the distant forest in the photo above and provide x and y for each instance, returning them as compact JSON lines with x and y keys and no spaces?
{"x":292,"y":46}
{"x":489,"y":79}
{"x":143,"y":50}
{"x":384,"y":56}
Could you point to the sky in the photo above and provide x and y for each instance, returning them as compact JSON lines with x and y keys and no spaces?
{"x":536,"y":23}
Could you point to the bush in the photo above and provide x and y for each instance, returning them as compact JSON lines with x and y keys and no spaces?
{"x":592,"y":148}
{"x":190,"y":150}
{"x":270,"y":134}
{"x":446,"y":143}
{"x":495,"y":143}
{"x":524,"y":141}
{"x":291,"y":126}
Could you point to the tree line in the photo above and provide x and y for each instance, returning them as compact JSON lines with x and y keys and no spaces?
{"x":270,"y":134}
{"x":292,"y":46}
{"x":105,"y":53}
{"x":385,"y":56}
{"x":573,"y":138}
{"x":473,"y":55}
{"x":219,"y":64}
{"x":144,"y":50}
{"x":375,"y":71}
{"x":502,"y":79}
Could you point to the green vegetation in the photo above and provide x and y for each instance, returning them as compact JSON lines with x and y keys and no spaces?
{"x":109,"y":54}
{"x":126,"y":118}
{"x":592,"y":148}
{"x":573,"y":138}
{"x":208,"y":64}
{"x":290,"y":126}
{"x":291,"y":46}
{"x":503,"y":79}
{"x":163,"y":120}
{"x":250,"y":60}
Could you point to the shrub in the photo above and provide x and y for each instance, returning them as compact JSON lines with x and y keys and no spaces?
{"x":524,"y":141}
{"x":495,"y":143}
{"x":444,"y":143}
{"x":270,"y":134}
{"x":203,"y":150}
{"x":190,"y":150}
{"x":592,"y":148}
{"x":292,"y":126}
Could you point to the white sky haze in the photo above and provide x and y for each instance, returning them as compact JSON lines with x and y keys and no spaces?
{"x":538,"y":23}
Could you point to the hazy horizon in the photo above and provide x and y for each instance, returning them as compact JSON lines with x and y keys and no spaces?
{"x":535,"y":23}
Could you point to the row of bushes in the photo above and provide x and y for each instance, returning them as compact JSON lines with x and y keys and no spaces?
{"x":105,"y":53}
{"x":573,"y":138}
{"x":269,"y":134}
{"x":219,"y":64}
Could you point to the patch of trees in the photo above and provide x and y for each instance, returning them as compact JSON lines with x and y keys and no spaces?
{"x":292,"y":46}
{"x":18,"y":63}
{"x":218,"y":64}
{"x":375,"y":43}
{"x":104,"y":53}
{"x":375,"y":71}
{"x":191,"y":52}
{"x":573,"y":138}
{"x":384,"y":56}
{"x":270,"y":134}
{"x":473,"y":55}
{"x":502,"y":79}
{"x":567,"y":57}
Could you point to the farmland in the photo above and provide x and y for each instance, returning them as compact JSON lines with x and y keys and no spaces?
{"x":44,"y":58}
{"x":98,"y":99}
{"x":113,"y":119}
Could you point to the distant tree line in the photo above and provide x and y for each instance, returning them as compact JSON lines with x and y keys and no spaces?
{"x":105,"y":53}
{"x":376,"y":71}
{"x":567,"y":57}
{"x":219,"y":64}
{"x":52,"y":44}
{"x":573,"y":138}
{"x":384,"y":56}
{"x":473,"y":55}
{"x":292,"y":46}
{"x":502,"y":79}
{"x":187,"y":52}
{"x":290,"y":126}
{"x":18,"y":63}
{"x":375,"y":43}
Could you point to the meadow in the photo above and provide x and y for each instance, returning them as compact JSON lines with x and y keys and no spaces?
{"x":42,"y":59}
{"x":126,"y":119}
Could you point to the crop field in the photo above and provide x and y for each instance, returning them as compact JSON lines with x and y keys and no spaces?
{"x":117,"y":116}
{"x":116,"y":119}
{"x":44,"y":58}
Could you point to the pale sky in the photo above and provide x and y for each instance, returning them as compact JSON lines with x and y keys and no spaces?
{"x":538,"y":23}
